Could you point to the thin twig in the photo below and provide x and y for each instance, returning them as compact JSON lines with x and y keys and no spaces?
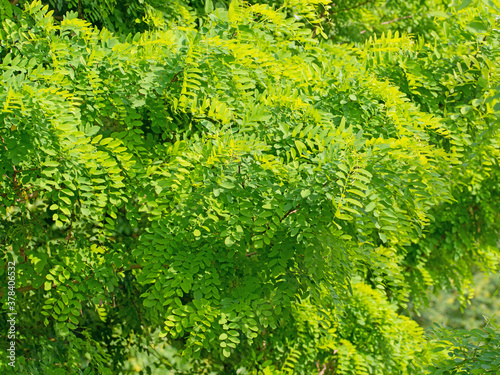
{"x":291,"y":211}
{"x":396,"y":20}
{"x":391,"y":21}
{"x":320,"y":18}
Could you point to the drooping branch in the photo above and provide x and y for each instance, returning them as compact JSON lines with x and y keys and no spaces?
{"x":30,"y":287}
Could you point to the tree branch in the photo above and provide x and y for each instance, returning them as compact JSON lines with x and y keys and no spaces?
{"x":291,"y":211}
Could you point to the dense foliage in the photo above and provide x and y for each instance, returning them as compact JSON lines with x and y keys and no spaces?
{"x":239,"y":182}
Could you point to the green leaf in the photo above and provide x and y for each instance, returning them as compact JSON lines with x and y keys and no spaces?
{"x":51,"y":163}
{"x":209,"y":7}
{"x":438,"y":13}
{"x":382,"y":237}
{"x":370,"y":206}
{"x":464,"y":4}
{"x":227,"y":185}
{"x":229,"y":241}
{"x":477,"y":27}
{"x":93,"y":130}
{"x":301,"y":147}
{"x":65,"y":199}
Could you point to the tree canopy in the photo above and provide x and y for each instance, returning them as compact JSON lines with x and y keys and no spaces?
{"x":263,"y":186}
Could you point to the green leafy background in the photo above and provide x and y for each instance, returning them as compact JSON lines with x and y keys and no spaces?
{"x":262,"y":188}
